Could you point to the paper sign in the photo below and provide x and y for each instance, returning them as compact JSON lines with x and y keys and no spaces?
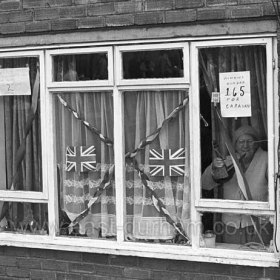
{"x":215,"y":98}
{"x":235,"y":94}
{"x":14,"y":81}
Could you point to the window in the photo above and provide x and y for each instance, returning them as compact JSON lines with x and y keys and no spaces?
{"x":156,"y":174}
{"x":24,"y":205}
{"x":122,"y":139}
{"x":236,"y":197}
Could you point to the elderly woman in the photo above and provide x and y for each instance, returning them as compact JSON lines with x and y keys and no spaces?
{"x":238,"y":228}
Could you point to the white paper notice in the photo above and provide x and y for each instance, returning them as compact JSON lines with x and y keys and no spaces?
{"x":235,"y":94}
{"x":14,"y":81}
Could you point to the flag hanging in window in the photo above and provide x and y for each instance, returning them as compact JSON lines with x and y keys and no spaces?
{"x":80,"y":158}
{"x":169,"y":162}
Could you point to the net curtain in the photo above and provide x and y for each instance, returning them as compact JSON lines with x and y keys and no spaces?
{"x":144,"y":113}
{"x":78,"y":188}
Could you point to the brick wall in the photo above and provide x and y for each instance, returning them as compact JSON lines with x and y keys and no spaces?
{"x":18,"y":17}
{"x":29,"y":16}
{"x":21,"y":263}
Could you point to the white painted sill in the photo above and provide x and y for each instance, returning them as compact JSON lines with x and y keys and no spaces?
{"x":161,"y":251}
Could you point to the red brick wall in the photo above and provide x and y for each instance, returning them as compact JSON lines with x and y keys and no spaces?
{"x":29,"y":16}
{"x":49,"y":264}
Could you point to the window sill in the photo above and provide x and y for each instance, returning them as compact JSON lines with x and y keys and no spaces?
{"x":220,"y":254}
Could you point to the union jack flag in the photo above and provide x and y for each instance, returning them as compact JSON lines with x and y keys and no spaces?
{"x":80,"y":158}
{"x":168,"y":162}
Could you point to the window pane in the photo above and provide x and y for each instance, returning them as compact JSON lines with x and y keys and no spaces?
{"x":82,"y":120}
{"x":153,"y":64}
{"x":80,"y":67}
{"x":239,"y":75}
{"x":24,"y":217}
{"x":157,"y":176}
{"x":237,"y":231}
{"x":20,"y":141}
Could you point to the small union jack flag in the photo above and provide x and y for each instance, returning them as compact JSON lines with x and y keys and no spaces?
{"x":168,"y":162}
{"x":80,"y":158}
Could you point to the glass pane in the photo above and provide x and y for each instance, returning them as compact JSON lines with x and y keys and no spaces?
{"x":80,"y":67}
{"x":20,"y":126}
{"x":24,"y":217}
{"x":157,"y":174}
{"x":153,"y":64}
{"x":237,"y":231}
{"x":82,"y":121}
{"x":234,"y":159}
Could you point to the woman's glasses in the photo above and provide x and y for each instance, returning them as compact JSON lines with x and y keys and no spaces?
{"x":242,"y":142}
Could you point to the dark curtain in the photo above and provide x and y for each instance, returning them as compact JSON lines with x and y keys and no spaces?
{"x":232,"y":59}
{"x":15,"y":111}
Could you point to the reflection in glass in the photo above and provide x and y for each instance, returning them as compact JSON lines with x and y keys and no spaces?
{"x":24,"y":217}
{"x":80,"y":67}
{"x":247,"y":135}
{"x":164,"y":161}
{"x":153,"y":64}
{"x":251,"y":232}
{"x":83,"y":161}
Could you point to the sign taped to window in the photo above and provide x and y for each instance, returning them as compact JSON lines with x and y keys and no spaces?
{"x":235,"y":94}
{"x":14,"y":81}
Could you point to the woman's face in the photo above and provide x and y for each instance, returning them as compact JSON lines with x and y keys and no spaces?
{"x":246,"y":147}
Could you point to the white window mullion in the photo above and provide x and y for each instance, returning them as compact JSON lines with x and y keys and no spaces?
{"x":195,"y":147}
{"x":119,"y":164}
{"x":53,"y":211}
{"x":270,"y":123}
{"x":50,"y":154}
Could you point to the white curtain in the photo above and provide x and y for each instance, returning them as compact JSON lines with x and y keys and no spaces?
{"x":144,"y":113}
{"x":78,"y":188}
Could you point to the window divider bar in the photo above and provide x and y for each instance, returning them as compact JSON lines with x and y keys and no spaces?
{"x":53,"y":211}
{"x":236,"y":210}
{"x":195,"y":147}
{"x":119,"y":158}
{"x":163,"y":86}
{"x":79,"y":88}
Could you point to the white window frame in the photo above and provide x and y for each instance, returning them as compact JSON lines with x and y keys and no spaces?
{"x":117,"y":86}
{"x":151,"y":81}
{"x":121,"y":86}
{"x":222,"y":205}
{"x":231,"y":205}
{"x":32,"y":196}
{"x":77,"y":51}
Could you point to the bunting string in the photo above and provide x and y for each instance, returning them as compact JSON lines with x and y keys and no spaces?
{"x":149,"y":139}
{"x":103,"y":138}
{"x":158,"y":203}
{"x":106,"y":182}
{"x":241,"y":179}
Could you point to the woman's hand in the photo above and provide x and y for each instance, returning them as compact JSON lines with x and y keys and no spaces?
{"x":218,"y":163}
{"x":219,"y":170}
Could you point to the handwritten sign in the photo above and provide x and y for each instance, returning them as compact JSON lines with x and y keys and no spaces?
{"x":235,"y":94}
{"x":14,"y":81}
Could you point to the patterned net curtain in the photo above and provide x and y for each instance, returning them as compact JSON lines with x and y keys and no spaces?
{"x":77,"y":187}
{"x":144,"y":113}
